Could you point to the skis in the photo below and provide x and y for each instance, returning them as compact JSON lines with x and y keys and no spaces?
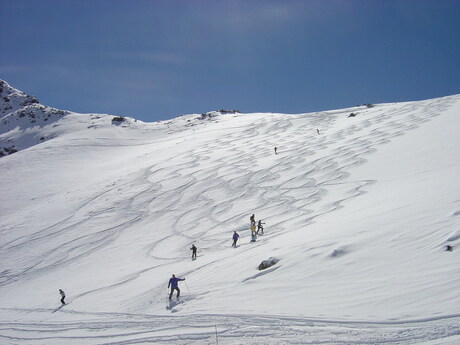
{"x":172,"y":303}
{"x":59,"y":308}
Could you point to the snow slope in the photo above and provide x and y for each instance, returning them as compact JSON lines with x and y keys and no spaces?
{"x":358,"y":215}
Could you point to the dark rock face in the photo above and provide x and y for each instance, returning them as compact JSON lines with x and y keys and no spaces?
{"x":268,"y":263}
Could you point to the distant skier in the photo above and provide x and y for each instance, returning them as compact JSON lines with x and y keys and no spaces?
{"x":317,"y":130}
{"x":260,"y":227}
{"x":193,"y":249}
{"x":62,"y":293}
{"x":235,"y":239}
{"x":252,"y":219}
{"x":173,"y":283}
{"x":276,"y":150}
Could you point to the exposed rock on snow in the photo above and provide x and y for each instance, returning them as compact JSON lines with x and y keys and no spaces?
{"x":12,"y":99}
{"x":22,"y":116}
{"x":268,"y":263}
{"x":118,"y":119}
{"x":212,"y":114}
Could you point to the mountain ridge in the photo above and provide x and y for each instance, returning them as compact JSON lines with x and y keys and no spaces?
{"x":357,"y":211}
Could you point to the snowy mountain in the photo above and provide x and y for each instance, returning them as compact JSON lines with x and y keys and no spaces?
{"x":22,"y":119}
{"x":361,"y":210}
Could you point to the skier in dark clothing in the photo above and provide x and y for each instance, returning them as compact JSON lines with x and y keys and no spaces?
{"x":260,"y":227}
{"x":62,"y":296}
{"x":235,"y":239}
{"x":276,"y":150}
{"x":193,"y":249}
{"x":173,"y":283}
{"x":252,"y":219}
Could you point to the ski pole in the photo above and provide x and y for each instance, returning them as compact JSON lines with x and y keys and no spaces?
{"x":187,"y":287}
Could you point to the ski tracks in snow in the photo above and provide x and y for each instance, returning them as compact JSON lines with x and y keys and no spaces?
{"x":119,"y":328}
{"x":196,"y":195}
{"x":240,"y":168}
{"x":195,"y":192}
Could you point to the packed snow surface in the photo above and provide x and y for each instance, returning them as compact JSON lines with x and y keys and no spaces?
{"x":358,"y":211}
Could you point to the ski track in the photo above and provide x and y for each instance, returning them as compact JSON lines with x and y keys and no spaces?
{"x":321,"y":174}
{"x":120,"y":328}
{"x":238,"y":181}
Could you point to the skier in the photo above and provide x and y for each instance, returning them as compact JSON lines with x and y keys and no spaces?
{"x":260,"y":227}
{"x":235,"y":239}
{"x":193,"y":249}
{"x":62,"y":296}
{"x":317,"y":130}
{"x":173,"y":282}
{"x":276,"y":149}
{"x":252,"y":219}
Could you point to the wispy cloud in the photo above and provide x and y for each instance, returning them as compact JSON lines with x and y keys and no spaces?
{"x":5,"y":69}
{"x":239,"y":15}
{"x":145,"y":56}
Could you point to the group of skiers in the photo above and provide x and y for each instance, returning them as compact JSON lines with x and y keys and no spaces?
{"x":254,"y":232}
{"x":260,"y":228}
{"x":236,"y":236}
{"x":173,"y":281}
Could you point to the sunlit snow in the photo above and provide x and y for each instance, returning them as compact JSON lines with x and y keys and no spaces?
{"x":357,"y":209}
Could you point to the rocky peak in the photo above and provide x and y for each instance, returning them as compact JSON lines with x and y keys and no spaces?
{"x":12,"y":99}
{"x":21,"y":113}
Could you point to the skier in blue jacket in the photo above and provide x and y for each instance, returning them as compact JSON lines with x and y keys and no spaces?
{"x":235,"y":239}
{"x":173,"y":283}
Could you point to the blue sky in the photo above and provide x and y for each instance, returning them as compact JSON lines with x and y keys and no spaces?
{"x":155,"y":60}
